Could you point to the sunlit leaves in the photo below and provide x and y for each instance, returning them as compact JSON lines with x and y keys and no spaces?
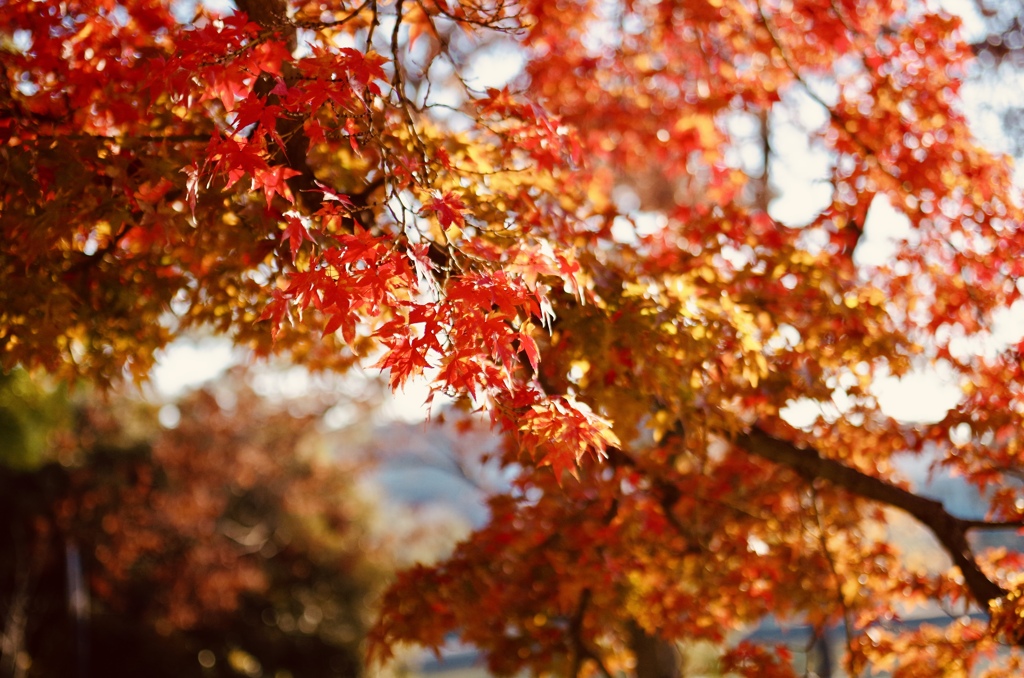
{"x":560,"y":432}
{"x":1008,"y":615}
{"x":751,"y":660}
{"x":448,"y":208}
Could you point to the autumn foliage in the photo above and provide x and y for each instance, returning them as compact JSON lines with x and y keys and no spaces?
{"x":230,"y":536}
{"x":583,"y":255}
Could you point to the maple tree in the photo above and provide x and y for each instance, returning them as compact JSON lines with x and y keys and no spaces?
{"x":583,"y":255}
{"x":232,"y":537}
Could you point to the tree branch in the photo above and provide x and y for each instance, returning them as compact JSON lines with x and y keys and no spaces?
{"x":576,"y":635}
{"x":950,"y":531}
{"x":271,"y":15}
{"x":993,"y":524}
{"x":655,"y":656}
{"x":838,"y":581}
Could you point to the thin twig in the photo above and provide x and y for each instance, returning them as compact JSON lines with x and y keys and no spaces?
{"x":314,"y":25}
{"x":823,"y":540}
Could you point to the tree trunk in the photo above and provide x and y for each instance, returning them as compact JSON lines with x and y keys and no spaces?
{"x":78,"y":606}
{"x":655,"y":657}
{"x":12,"y":642}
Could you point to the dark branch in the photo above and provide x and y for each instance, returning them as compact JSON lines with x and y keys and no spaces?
{"x":993,"y":524}
{"x":950,"y":531}
{"x":271,"y":15}
{"x":576,"y":635}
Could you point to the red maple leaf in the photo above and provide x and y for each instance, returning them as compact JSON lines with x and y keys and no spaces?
{"x":448,"y":208}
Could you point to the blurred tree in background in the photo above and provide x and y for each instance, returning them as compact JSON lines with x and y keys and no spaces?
{"x":228,"y":544}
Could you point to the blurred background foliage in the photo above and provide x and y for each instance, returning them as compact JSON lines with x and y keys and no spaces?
{"x":224,"y":534}
{"x":29,"y":414}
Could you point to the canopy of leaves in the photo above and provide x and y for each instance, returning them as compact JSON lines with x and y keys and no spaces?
{"x":584,"y":254}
